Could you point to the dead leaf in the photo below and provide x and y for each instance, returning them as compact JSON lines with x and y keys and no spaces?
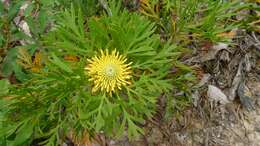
{"x":205,"y":78}
{"x":224,"y":56}
{"x":71,"y":58}
{"x":8,"y":97}
{"x":236,"y":81}
{"x":24,"y":58}
{"x":6,"y":3}
{"x":230,"y":35}
{"x":84,"y":140}
{"x":199,"y":72}
{"x":37,"y":62}
{"x":195,"y":98}
{"x":26,"y":61}
{"x":211,"y":54}
{"x":148,"y":9}
{"x":20,"y":22}
{"x":245,"y":97}
{"x":216,"y":95}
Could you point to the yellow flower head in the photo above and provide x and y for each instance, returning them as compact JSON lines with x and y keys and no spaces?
{"x":108,"y":72}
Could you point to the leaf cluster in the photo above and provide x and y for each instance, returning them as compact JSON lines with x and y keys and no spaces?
{"x":58,"y":100}
{"x":182,"y":20}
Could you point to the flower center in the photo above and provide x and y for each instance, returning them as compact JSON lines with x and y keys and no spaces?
{"x":110,"y":71}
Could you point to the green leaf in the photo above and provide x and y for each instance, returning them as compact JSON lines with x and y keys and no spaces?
{"x":23,"y":133}
{"x":99,"y":122}
{"x":19,"y":74}
{"x":1,"y":38}
{"x":9,"y":62}
{"x":47,"y":2}
{"x":133,"y":130}
{"x":43,"y":20}
{"x":55,"y":60}
{"x":28,"y":10}
{"x":1,"y":8}
{"x":14,"y":9}
{"x":4,"y":87}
